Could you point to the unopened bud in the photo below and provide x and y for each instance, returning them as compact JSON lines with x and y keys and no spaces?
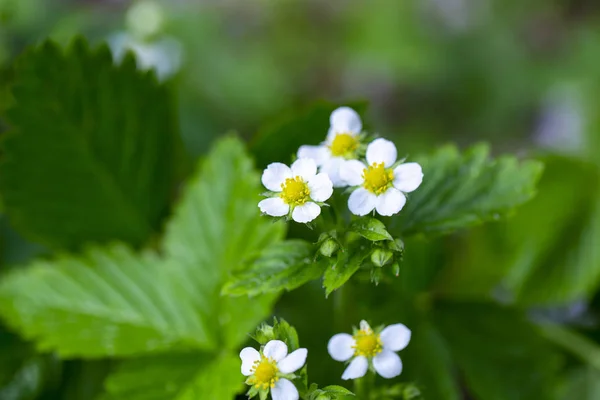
{"x":329,"y":247}
{"x":396,"y":269}
{"x":380,"y":257}
{"x":396,"y":245}
{"x":264,"y":333}
{"x":376,"y":275}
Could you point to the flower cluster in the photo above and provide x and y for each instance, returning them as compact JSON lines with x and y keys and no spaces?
{"x":378,"y":181}
{"x":272,"y":369}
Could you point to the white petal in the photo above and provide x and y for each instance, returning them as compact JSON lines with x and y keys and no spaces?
{"x":333,"y":168}
{"x":306,"y":168}
{"x":318,"y":153}
{"x":284,"y":390}
{"x":395,"y":337}
{"x":340,"y":347}
{"x":345,"y":120}
{"x":274,"y":206}
{"x":293,"y":362}
{"x":364,"y":326}
{"x":276,"y":350}
{"x":390,"y":202}
{"x":320,"y":187}
{"x":357,"y":368}
{"x":387,"y":364}
{"x":361,"y":202}
{"x":275,"y":175}
{"x":306,"y":212}
{"x":249,"y":356}
{"x":408,"y":177}
{"x":381,"y":151}
{"x":352,"y":172}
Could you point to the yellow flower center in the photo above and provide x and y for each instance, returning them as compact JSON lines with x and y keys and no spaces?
{"x":377,"y":178}
{"x":368,"y":344}
{"x":264,"y":373}
{"x":295,"y":191}
{"x":344,"y":145}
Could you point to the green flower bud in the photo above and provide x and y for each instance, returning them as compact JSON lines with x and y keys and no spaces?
{"x":381,"y":257}
{"x":329,"y":247}
{"x":376,"y":275}
{"x":396,"y":269}
{"x":264,"y":333}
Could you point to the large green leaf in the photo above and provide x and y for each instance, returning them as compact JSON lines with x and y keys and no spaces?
{"x":459,"y":191}
{"x":484,"y":339}
{"x":107,"y":302}
{"x":216,"y":226}
{"x":283,"y":266}
{"x":111,"y":301}
{"x":176,"y":377}
{"x":91,"y":151}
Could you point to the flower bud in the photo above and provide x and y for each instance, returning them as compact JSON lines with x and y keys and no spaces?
{"x":396,"y":269}
{"x":380,"y":257}
{"x":376,"y":274}
{"x":329,"y":247}
{"x":264,"y":333}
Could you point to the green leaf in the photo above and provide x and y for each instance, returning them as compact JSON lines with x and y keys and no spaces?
{"x":282,"y":266}
{"x":280,"y":140}
{"x":108,"y":301}
{"x":91,"y":154}
{"x":216,"y":227}
{"x":176,"y":377}
{"x":459,"y":191}
{"x":484,"y":339}
{"x":371,"y":229}
{"x":345,"y":266}
{"x":335,"y":389}
{"x":111,"y":301}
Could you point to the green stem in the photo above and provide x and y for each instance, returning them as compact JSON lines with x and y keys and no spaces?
{"x":362,"y":387}
{"x":339,"y":310}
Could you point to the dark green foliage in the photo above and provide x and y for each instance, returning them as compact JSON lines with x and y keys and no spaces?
{"x":484,"y":339}
{"x":92,"y":151}
{"x":280,"y":140}
{"x":462,"y":190}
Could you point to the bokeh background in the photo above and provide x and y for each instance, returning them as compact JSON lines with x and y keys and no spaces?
{"x":521,"y":75}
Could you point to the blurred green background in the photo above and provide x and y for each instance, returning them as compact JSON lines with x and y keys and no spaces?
{"x":522,"y":75}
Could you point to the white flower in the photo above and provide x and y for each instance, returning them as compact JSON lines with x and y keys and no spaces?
{"x":341,"y":144}
{"x":381,"y":187}
{"x":298,"y":190}
{"x":268,"y":369}
{"x":367,"y":346}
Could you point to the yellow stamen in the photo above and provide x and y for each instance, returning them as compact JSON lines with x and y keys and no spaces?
{"x":344,"y":145}
{"x":264,"y":374}
{"x":368,"y":344}
{"x":295,"y":191}
{"x":377,"y":178}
